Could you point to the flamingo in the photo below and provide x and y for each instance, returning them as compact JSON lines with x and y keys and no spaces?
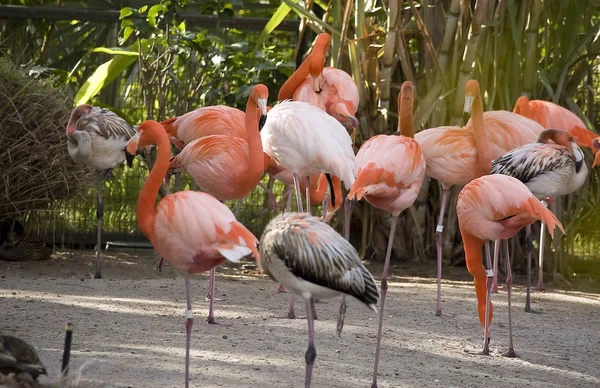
{"x":455,"y":156}
{"x":97,"y":138}
{"x":312,"y":260}
{"x":552,"y":116}
{"x":389,"y":175}
{"x":548,"y":170}
{"x":495,"y":207}
{"x":227,"y":167}
{"x":193,"y":231}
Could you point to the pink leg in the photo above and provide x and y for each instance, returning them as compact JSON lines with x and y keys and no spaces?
{"x":161,"y":261}
{"x":298,"y":193}
{"x":529,"y":248}
{"x":384,"y":288}
{"x":308,"y":194}
{"x":438,"y":240}
{"x":288,"y":205}
{"x":495,"y":279}
{"x":489,"y":273}
{"x":311,"y":352}
{"x":347,"y":214}
{"x":282,"y":289}
{"x":211,"y":298}
{"x":511,"y":350}
{"x":189,"y":315}
{"x":272,"y":198}
{"x":540,"y":285}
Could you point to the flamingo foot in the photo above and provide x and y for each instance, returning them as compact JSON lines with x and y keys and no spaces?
{"x":486,"y":348}
{"x":282,"y":289}
{"x":438,"y":313}
{"x":214,"y":298}
{"x":510,"y":353}
{"x":159,"y":265}
{"x":211,"y":321}
{"x":540,"y":287}
{"x":97,"y":275}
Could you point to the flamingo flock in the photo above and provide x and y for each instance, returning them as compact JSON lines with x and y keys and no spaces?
{"x":506,"y":161}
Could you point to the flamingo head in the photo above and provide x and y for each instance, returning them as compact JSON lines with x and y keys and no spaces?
{"x":259,"y":95}
{"x":522,"y":107}
{"x":146,"y":136}
{"x":563,"y":138}
{"x":77,"y":113}
{"x":174,"y":167}
{"x":471,"y":91}
{"x":316,"y":60}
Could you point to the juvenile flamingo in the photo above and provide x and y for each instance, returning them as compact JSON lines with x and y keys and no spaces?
{"x":97,"y":138}
{"x":551,"y":167}
{"x":455,"y":156}
{"x":312,"y":260}
{"x":193,"y":231}
{"x":389,"y":175}
{"x":495,"y":207}
{"x":227,"y":167}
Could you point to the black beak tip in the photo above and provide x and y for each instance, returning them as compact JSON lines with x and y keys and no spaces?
{"x":261,"y":121}
{"x":465,"y":117}
{"x":129,"y":157}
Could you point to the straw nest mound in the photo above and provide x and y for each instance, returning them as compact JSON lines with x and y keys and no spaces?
{"x":35,"y":166}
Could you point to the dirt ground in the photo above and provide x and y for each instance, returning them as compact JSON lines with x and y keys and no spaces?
{"x":129,"y":329}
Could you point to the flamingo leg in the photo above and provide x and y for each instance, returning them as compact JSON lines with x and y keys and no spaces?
{"x":238,"y":207}
{"x":288,"y":204}
{"x":311,"y":352}
{"x":511,"y":350}
{"x":384,"y":288}
{"x":529,"y":248}
{"x":189,"y":322}
{"x":489,"y":274}
{"x":272,"y":197}
{"x":211,"y":298}
{"x":495,"y":279}
{"x":438,"y":241}
{"x":540,"y":285}
{"x":161,"y":260}
{"x":298,"y":193}
{"x":347,"y":214}
{"x":99,"y":216}
{"x":308,"y":194}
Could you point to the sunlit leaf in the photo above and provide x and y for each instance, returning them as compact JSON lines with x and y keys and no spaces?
{"x":275,"y":20}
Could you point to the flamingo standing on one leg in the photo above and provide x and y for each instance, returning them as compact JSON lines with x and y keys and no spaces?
{"x":389,"y":175}
{"x":495,"y":207}
{"x":455,"y":156}
{"x":548,"y":170}
{"x":312,"y":260}
{"x":552,"y":116}
{"x":227,"y":167}
{"x":193,"y":231}
{"x":97,"y":138}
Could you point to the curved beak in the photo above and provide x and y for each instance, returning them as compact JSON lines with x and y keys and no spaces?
{"x":174,"y":166}
{"x":262,"y":105}
{"x":467,"y":108}
{"x":132,"y":145}
{"x":316,"y":83}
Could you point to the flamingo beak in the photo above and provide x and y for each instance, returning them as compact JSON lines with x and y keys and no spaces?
{"x":262,"y":105}
{"x":467,"y":108}
{"x":316,"y":83}
{"x":132,"y":145}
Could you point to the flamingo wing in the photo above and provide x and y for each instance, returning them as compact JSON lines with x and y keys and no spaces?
{"x":532,"y":160}
{"x":193,"y":230}
{"x":105,"y":124}
{"x":345,"y":86}
{"x":304,"y":139}
{"x":210,"y":120}
{"x":313,"y":251}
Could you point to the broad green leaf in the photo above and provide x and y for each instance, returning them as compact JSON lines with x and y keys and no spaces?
{"x":103,"y":75}
{"x":116,"y":51}
{"x":275,"y":20}
{"x":305,"y":14}
{"x":125,"y":12}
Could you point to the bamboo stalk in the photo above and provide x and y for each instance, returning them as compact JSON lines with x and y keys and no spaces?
{"x":531,"y":53}
{"x":449,"y":34}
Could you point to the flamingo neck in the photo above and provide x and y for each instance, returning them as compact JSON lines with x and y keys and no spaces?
{"x":473,"y":246}
{"x":522,"y":107}
{"x":289,"y":87}
{"x":405,"y":125}
{"x":255,"y":151}
{"x":147,"y":199}
{"x":481,"y":140}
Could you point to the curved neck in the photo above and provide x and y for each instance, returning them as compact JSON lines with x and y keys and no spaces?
{"x":80,"y":146}
{"x":255,"y":151}
{"x":147,"y":199}
{"x":481,"y":141}
{"x":405,"y":124}
{"x":286,"y":92}
{"x":475,"y":267}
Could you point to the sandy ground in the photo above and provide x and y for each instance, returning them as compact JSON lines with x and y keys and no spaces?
{"x":129,"y":329}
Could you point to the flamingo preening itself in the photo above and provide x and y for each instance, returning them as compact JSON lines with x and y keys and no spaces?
{"x":389,"y":175}
{"x":495,"y":207}
{"x":192,"y":231}
{"x":312,"y":260}
{"x":227,"y":167}
{"x":97,"y":138}
{"x":551,"y":167}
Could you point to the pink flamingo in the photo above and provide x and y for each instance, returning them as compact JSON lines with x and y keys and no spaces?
{"x":389,"y":174}
{"x":227,"y":167}
{"x":193,"y":231}
{"x":495,"y":207}
{"x":97,"y":138}
{"x":552,"y":166}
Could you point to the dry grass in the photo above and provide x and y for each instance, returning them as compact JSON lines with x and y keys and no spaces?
{"x":35,"y":167}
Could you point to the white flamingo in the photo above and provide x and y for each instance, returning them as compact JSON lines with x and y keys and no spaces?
{"x":97,"y":138}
